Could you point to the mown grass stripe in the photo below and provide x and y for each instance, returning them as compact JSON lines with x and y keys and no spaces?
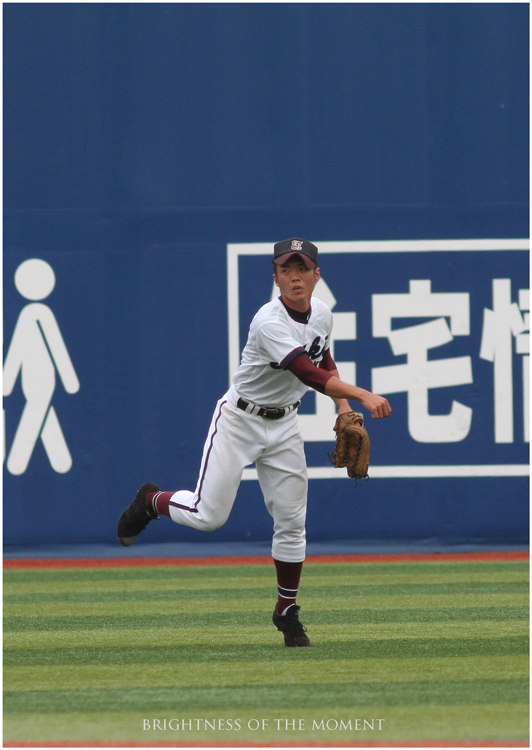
{"x":264,"y":697}
{"x":255,"y":673}
{"x":210,"y":611}
{"x":263,"y":571}
{"x":190,"y":654}
{"x":336,"y":610}
{"x":251,"y":582}
{"x":345,"y":587}
{"x":230,"y":632}
{"x":142,"y":590}
{"x":145,"y":614}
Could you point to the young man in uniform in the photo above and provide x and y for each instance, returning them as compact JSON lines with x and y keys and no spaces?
{"x":287,"y":352}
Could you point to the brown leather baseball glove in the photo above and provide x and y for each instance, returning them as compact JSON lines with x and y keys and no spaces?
{"x":352,"y":445}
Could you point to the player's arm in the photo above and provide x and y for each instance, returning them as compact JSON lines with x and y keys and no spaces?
{"x":342,"y":403}
{"x":377,"y":405}
{"x":327,"y":363}
{"x":327,"y":382}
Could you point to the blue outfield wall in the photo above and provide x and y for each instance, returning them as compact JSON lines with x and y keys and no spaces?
{"x":155,"y":152}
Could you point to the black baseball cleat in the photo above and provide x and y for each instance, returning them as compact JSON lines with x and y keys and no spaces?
{"x":136,"y":516}
{"x":290,"y":627}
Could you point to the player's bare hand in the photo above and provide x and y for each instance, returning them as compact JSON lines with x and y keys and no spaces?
{"x":378,"y":406}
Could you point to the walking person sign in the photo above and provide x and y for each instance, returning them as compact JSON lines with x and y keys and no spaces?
{"x":37,"y":350}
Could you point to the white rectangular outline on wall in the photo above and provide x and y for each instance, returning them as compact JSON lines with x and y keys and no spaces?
{"x":235,"y":250}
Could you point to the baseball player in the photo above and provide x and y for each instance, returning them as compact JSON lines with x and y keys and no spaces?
{"x":287,"y":352}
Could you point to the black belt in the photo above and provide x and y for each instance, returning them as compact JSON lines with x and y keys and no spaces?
{"x":264,"y":411}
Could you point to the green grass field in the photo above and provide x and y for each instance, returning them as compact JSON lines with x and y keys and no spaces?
{"x":401,"y":652}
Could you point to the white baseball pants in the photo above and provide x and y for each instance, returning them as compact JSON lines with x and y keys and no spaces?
{"x":236,"y":440}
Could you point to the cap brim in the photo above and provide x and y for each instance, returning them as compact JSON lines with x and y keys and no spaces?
{"x":286,"y":256}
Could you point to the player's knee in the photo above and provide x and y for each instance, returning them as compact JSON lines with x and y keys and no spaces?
{"x":212,"y":521}
{"x":291,"y":523}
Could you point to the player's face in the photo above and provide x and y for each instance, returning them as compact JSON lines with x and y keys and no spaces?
{"x":296,"y":283}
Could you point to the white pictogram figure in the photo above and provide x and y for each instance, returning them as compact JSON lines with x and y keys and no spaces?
{"x":420,"y":374}
{"x":37,"y":349}
{"x":500,"y":324}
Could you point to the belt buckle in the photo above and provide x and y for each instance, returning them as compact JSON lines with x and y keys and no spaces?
{"x":273,"y":413}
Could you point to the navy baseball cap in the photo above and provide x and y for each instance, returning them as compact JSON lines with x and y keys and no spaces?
{"x":284,"y":250}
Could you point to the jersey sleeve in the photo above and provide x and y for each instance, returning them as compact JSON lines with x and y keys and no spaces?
{"x":278,"y":344}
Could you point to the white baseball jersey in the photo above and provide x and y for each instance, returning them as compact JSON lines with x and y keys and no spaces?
{"x":275,"y":338}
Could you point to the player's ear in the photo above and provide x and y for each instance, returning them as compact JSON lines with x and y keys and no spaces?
{"x":275,"y":279}
{"x":317,"y":274}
